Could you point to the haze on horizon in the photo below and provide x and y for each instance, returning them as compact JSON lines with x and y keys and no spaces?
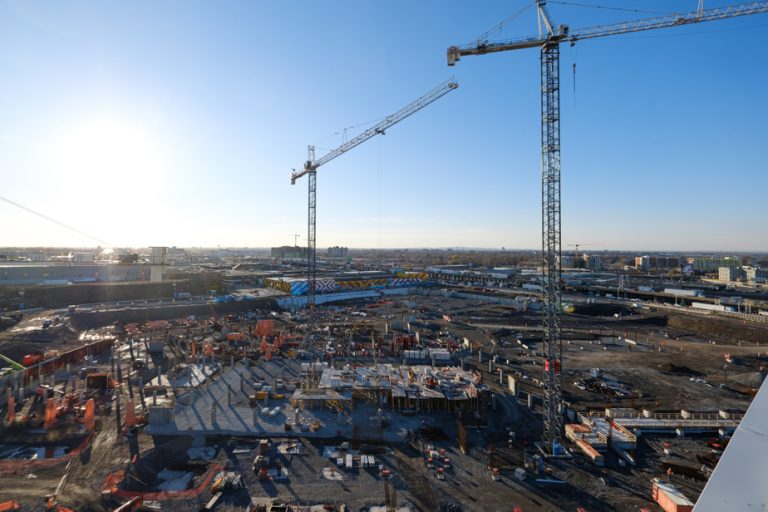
{"x":178,"y":124}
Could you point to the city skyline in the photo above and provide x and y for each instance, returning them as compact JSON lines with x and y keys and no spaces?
{"x":181,"y":128}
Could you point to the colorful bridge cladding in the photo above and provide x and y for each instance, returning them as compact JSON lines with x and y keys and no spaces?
{"x":297,"y":286}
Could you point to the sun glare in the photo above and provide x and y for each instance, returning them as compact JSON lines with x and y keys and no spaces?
{"x":108,"y":155}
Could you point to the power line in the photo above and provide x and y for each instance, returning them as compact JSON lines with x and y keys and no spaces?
{"x":594,"y":6}
{"x":482,"y":38}
{"x":50,"y":219}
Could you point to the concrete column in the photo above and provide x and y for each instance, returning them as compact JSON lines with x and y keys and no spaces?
{"x":530,"y":401}
{"x":480,"y":355}
{"x":118,"y":423}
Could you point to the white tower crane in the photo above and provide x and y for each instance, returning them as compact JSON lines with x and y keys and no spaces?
{"x":310,"y":169}
{"x":549,"y":45}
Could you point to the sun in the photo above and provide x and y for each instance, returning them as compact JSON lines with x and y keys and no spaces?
{"x":108,"y":155}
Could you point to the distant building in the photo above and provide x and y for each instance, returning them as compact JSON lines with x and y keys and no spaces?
{"x":709,"y":264}
{"x":83,"y":257}
{"x":21,"y":274}
{"x":289,"y":252}
{"x":657,"y":262}
{"x":157,"y":260}
{"x":756,"y":275}
{"x":592,"y":261}
{"x":338,"y":252}
{"x":567,"y":261}
{"x":729,"y":274}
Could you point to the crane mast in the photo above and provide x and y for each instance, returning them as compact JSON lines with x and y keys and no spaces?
{"x":310,"y":170}
{"x":549,"y":46}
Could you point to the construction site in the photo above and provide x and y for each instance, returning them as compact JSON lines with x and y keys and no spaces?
{"x":307,"y":384}
{"x":420,"y":401}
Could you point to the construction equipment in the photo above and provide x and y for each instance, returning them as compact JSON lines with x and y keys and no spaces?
{"x":549,"y":45}
{"x":390,"y":491}
{"x":261,"y":465}
{"x":310,"y":169}
{"x":225,"y":481}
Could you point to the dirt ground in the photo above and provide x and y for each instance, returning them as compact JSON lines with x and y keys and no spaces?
{"x":676,"y":362}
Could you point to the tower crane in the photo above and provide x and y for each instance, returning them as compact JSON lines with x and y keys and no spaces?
{"x":549,"y":46}
{"x":310,"y":170}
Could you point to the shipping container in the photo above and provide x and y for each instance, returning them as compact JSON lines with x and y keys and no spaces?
{"x":670,"y":498}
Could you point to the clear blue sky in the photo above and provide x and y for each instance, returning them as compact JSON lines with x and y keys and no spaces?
{"x":178,"y":123}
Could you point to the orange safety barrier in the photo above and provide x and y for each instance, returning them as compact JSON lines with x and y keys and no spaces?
{"x":9,"y":505}
{"x":11,"y":408}
{"x":263,"y":344}
{"x":265,"y":327}
{"x":90,"y":409}
{"x":130,"y":414}
{"x":50,"y":414}
{"x":25,"y":466}
{"x":111,"y":486}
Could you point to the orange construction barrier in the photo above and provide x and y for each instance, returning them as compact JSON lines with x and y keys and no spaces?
{"x":18,"y":467}
{"x":90,"y":409}
{"x":282,"y":339}
{"x":263,"y":344}
{"x":265,"y":327}
{"x":9,"y":505}
{"x":276,"y":345}
{"x":268,"y":355}
{"x":50,"y":414}
{"x":112,"y":486}
{"x":11,"y":408}
{"x":130,"y":414}
{"x":194,"y":350}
